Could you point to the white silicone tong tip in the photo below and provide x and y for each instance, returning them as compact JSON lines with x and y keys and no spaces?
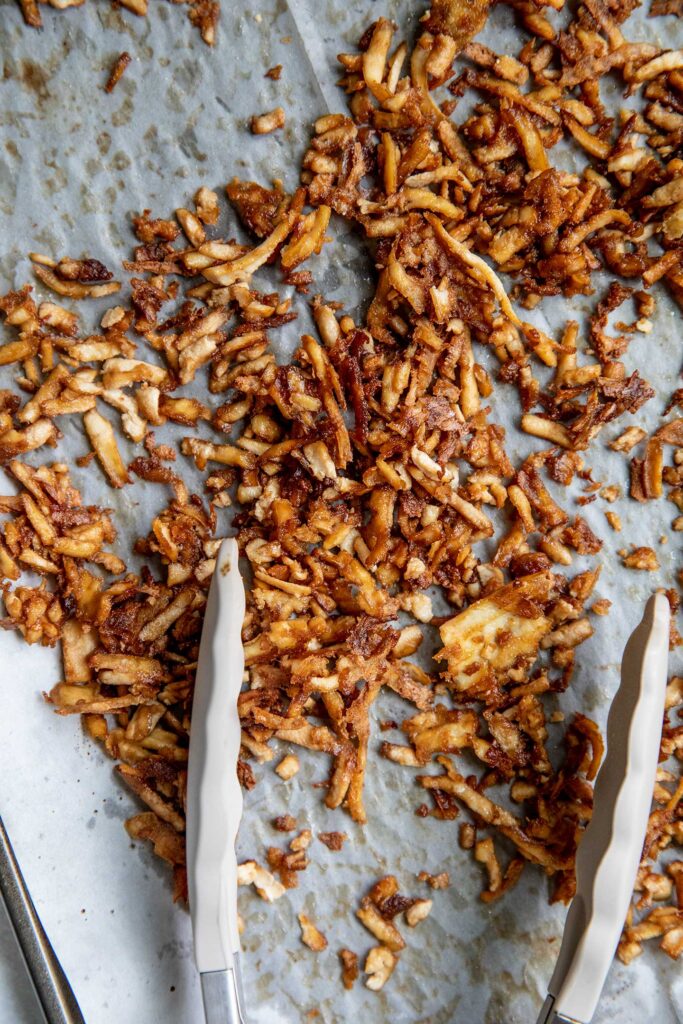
{"x":610,"y":851}
{"x":214,"y":796}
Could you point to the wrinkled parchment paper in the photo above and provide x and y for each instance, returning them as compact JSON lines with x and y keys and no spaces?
{"x":74,"y":163}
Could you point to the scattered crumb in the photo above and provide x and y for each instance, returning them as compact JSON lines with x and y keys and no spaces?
{"x":350,"y":969}
{"x":264,"y":124}
{"x":388,"y":723}
{"x":419,"y":910}
{"x":628,"y":440}
{"x":285,"y":823}
{"x":333,"y":840}
{"x":266,"y":885}
{"x":614,"y":520}
{"x":379,"y":965}
{"x":441,"y":881}
{"x":116,"y":73}
{"x":467,"y":835}
{"x":245,"y":774}
{"x":641,"y":558}
{"x":206,"y":205}
{"x":288,"y":767}
{"x":310,"y":935}
{"x":302,"y":841}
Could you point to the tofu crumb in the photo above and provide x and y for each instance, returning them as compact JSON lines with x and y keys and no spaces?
{"x":288,"y":767}
{"x":614,"y":520}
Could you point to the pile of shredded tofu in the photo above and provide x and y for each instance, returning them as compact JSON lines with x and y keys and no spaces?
{"x":362,"y":476}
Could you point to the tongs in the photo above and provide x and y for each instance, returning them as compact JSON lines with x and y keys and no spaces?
{"x":610,"y":851}
{"x":214,"y":809}
{"x":52,"y":988}
{"x":608,"y":856}
{"x":214,"y":796}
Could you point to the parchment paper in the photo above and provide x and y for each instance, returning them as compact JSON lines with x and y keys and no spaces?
{"x":74,"y":164}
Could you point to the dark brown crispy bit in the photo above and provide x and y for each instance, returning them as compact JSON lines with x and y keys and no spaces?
{"x":333,"y":840}
{"x":83,"y":270}
{"x":285,"y":823}
{"x":258,"y":208}
{"x":394,"y":905}
{"x":350,"y":969}
{"x":116,"y":73}
{"x":245,"y":774}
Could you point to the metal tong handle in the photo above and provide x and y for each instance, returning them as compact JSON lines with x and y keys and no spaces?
{"x":548,"y":1016}
{"x":52,"y":988}
{"x":222,"y":995}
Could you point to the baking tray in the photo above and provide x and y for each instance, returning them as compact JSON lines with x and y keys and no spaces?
{"x":74,"y":164}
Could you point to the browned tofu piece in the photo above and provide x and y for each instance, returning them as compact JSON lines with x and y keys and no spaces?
{"x":489,"y":636}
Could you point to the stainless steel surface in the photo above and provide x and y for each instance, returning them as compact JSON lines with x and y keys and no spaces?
{"x":52,"y":987}
{"x":222,"y":996}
